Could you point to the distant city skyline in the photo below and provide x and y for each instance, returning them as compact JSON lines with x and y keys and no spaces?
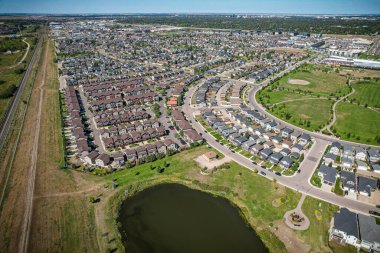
{"x":194,"y":6}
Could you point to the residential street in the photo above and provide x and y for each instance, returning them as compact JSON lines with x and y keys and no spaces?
{"x":299,"y":182}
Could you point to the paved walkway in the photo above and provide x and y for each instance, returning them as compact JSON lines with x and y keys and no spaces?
{"x":298,"y":211}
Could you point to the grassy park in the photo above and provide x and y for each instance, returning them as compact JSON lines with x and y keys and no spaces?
{"x":357,"y":123}
{"x":305,"y":97}
{"x":319,"y":80}
{"x":304,"y":114}
{"x":367,"y":93}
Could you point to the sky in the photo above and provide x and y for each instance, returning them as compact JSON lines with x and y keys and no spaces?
{"x":191,"y":6}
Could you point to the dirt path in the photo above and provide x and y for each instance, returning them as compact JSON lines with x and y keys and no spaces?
{"x":298,"y":99}
{"x":23,"y":58}
{"x":73,"y":193}
{"x":332,"y":122}
{"x":24,"y":238}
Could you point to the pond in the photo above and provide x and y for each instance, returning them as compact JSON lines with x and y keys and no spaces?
{"x":174,"y":218}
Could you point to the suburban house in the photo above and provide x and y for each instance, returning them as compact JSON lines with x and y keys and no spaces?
{"x":327,"y":174}
{"x":286,"y":162}
{"x":275,"y":158}
{"x":345,"y":227}
{"x":369,"y":231}
{"x":348,"y":180}
{"x":361,"y":154}
{"x":330,"y":158}
{"x":335,"y":148}
{"x":358,"y":230}
{"x":360,"y":165}
{"x":304,"y":139}
{"x":347,"y":163}
{"x":103,"y":160}
{"x":367,"y":185}
{"x":265,"y":153}
{"x":374,"y":156}
{"x":90,"y":158}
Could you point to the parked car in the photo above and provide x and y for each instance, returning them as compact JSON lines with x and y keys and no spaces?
{"x":263,"y":173}
{"x":277,"y":173}
{"x":374,"y":213}
{"x":255,"y":163}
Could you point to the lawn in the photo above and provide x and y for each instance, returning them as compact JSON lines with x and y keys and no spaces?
{"x":317,"y":234}
{"x":367,"y":92}
{"x":316,"y":180}
{"x":270,"y":97}
{"x":356,"y":123}
{"x":337,"y":189}
{"x":309,"y":114}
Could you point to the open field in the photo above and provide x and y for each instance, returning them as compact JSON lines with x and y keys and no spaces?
{"x":359,"y":73}
{"x":14,"y":199}
{"x":303,"y":113}
{"x":10,"y":77}
{"x":270,"y":97}
{"x":367,"y":93}
{"x":356,"y":123}
{"x":60,"y":223}
{"x":319,"y":82}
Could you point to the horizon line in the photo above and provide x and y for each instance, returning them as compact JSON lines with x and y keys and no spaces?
{"x":190,"y":13}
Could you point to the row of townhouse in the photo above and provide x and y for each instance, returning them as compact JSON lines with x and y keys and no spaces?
{"x":351,"y":183}
{"x":126,"y":128}
{"x":267,"y":125}
{"x":260,"y":143}
{"x":140,"y":99}
{"x":253,"y":122}
{"x":190,"y":135}
{"x":120,"y":92}
{"x":160,"y":147}
{"x":200,"y":95}
{"x":121,"y":119}
{"x":74,"y":122}
{"x":358,"y":230}
{"x":91,"y":89}
{"x":131,"y":137}
{"x":118,"y":159}
{"x":349,"y":157}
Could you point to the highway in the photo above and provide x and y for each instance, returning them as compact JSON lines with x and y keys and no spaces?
{"x":300,"y":181}
{"x":9,"y":115}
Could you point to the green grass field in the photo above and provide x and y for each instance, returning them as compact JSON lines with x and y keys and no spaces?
{"x":356,"y":123}
{"x":317,"y":233}
{"x":317,"y":111}
{"x":322,"y":83}
{"x":367,"y":92}
{"x":270,"y":97}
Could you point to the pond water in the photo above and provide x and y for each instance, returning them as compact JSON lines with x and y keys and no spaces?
{"x":174,"y":218}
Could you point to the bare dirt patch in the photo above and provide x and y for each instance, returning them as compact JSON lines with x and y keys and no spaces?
{"x":292,"y":242}
{"x":298,"y":82}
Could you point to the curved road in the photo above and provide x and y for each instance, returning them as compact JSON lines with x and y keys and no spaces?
{"x":299,"y":182}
